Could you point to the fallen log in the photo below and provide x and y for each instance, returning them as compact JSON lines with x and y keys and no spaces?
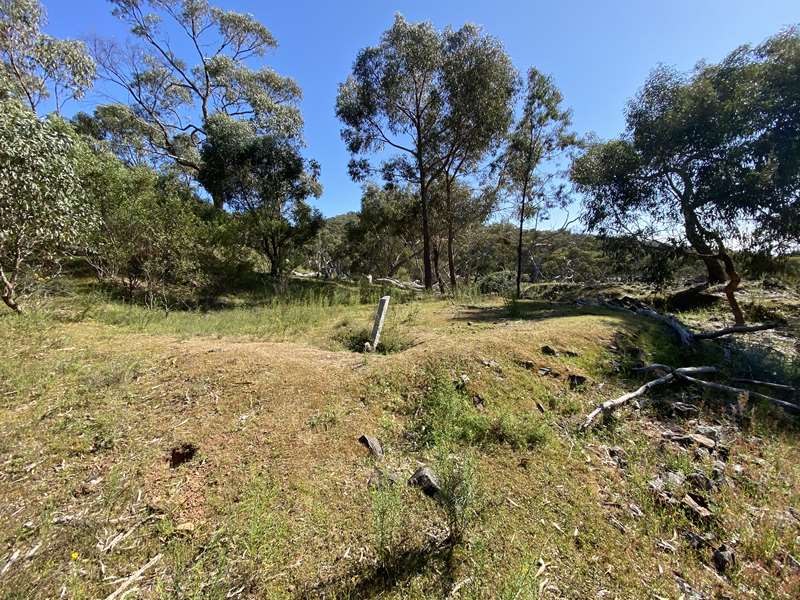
{"x":710,"y":335}
{"x":787,"y":406}
{"x":684,"y":374}
{"x":611,"y":405}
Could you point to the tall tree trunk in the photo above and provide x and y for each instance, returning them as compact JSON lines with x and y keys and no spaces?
{"x":451,"y":263}
{"x":519,"y":247}
{"x":426,"y":233}
{"x":436,"y":268}
{"x":693,"y":228}
{"x":218,"y":200}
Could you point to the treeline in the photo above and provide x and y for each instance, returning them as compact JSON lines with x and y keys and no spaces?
{"x":200,"y":178}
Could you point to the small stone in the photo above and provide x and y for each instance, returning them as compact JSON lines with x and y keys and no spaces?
{"x":425,"y":479}
{"x":698,"y":509}
{"x":683,"y":408}
{"x":528,"y":364}
{"x":702,"y":440}
{"x":187,"y":527}
{"x":724,"y":558}
{"x":674,"y":479}
{"x":712,"y":432}
{"x":372,"y":444}
{"x":478,"y":402}
{"x":700,"y":481}
{"x":549,"y":351}
{"x":618,"y":455}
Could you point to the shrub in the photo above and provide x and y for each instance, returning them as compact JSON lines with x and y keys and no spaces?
{"x":460,"y":495}
{"x":499,"y":282}
{"x":387,"y":519}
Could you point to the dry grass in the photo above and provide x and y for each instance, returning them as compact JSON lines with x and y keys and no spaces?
{"x":275,"y":502}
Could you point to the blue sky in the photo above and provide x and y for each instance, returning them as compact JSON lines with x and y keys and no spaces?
{"x":599,"y":52}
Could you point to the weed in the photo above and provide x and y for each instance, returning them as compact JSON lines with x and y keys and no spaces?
{"x":460,"y":497}
{"x":387,"y":519}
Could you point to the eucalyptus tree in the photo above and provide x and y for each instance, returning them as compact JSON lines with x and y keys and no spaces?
{"x":714,"y":152}
{"x":432,"y":99}
{"x":175,"y":87}
{"x":540,"y":134}
{"x":266,"y":182}
{"x":35,"y":66}
{"x":42,"y":212}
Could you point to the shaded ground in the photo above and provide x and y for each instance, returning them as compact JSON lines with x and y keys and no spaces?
{"x":274,"y":501}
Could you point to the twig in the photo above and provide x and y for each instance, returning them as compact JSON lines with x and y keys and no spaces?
{"x":133,"y":578}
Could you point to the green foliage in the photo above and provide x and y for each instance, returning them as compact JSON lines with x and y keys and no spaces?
{"x":149,"y":239}
{"x":706,"y":153}
{"x":174,"y":95}
{"x":445,"y":415}
{"x":437,"y":98}
{"x":266,"y":182}
{"x":460,"y":497}
{"x":36,"y":66}
{"x":499,"y":282}
{"x":386,"y":502}
{"x":42,"y":213}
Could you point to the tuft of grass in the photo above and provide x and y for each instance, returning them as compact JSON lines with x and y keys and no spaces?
{"x":461,"y":497}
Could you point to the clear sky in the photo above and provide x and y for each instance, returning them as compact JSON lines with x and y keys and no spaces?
{"x":599,"y":52}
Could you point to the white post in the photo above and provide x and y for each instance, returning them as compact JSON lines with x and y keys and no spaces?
{"x":380,"y":317}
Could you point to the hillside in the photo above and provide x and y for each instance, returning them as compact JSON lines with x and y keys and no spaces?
{"x":217,"y":455}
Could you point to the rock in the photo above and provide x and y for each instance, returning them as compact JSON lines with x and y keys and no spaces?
{"x":528,"y":364}
{"x":372,"y":444}
{"x":549,"y":351}
{"x":724,"y":558}
{"x":701,"y":453}
{"x":690,"y":501}
{"x":540,"y":407}
{"x":712,"y":432}
{"x":684,"y":409}
{"x":618,"y":455}
{"x":491,"y":364}
{"x":635,"y":510}
{"x":674,"y":479}
{"x":700,"y":481}
{"x":703,"y":441}
{"x":478,"y":402}
{"x":187,"y":527}
{"x":425,"y":479}
{"x":697,"y":541}
{"x":463,"y":381}
{"x":576,"y":381}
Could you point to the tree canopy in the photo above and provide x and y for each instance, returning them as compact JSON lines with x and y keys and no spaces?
{"x":36,"y":66}
{"x":173,"y":94}
{"x":435,"y":99}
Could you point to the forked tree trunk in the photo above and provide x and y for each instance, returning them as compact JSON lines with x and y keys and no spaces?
{"x":733,"y":284}
{"x":694,"y":234}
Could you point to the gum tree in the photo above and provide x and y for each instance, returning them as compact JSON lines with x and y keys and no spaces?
{"x":432,"y":99}
{"x":42,"y":212}
{"x":712,"y":154}
{"x":174,"y":88}
{"x":36,"y":66}
{"x":539,"y":135}
{"x":266,"y":182}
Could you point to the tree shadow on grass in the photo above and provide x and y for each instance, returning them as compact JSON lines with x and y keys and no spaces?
{"x":370,"y":580}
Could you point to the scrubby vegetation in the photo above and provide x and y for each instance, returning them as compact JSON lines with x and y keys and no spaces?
{"x":193,"y":402}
